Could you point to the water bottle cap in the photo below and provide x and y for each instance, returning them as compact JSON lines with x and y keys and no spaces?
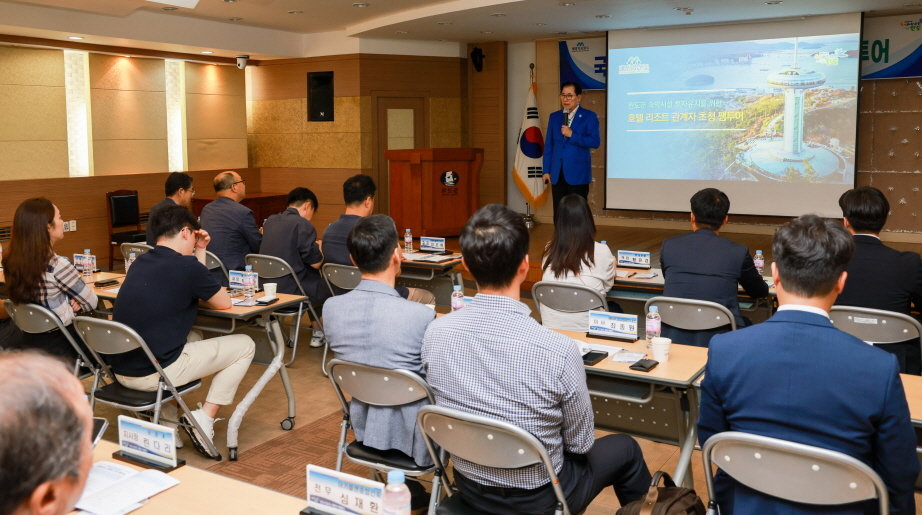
{"x":86,"y":251}
{"x":131,"y":255}
{"x":248,"y":268}
{"x":457,"y":287}
{"x":654,"y":309}
{"x":758,"y":252}
{"x":604,"y":242}
{"x":395,"y":476}
{"x":408,"y":230}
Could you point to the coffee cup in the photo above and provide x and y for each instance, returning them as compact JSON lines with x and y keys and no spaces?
{"x":659,"y":346}
{"x":269,"y":289}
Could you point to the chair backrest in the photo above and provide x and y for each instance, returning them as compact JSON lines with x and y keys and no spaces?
{"x":875,"y":325}
{"x":122,"y":207}
{"x":485,"y":441}
{"x":344,"y":277}
{"x":34,"y":318}
{"x":212,"y":262}
{"x":136,"y":248}
{"x":376,"y":386}
{"x":567,"y":297}
{"x":792,"y":471}
{"x":691,"y":314}
{"x":109,"y":337}
{"x":271,"y":267}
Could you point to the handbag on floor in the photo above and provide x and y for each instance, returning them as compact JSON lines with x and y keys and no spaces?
{"x":668,"y":499}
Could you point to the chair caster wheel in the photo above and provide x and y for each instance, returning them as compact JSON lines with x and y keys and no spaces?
{"x":288,"y":424}
{"x":232,"y":454}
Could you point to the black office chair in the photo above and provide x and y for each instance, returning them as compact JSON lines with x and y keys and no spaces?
{"x":122,"y":211}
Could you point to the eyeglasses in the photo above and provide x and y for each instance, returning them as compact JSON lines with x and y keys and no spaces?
{"x":238,"y":182}
{"x":568,"y":96}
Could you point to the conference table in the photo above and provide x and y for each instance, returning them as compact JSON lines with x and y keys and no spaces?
{"x":659,"y":405}
{"x":234,"y":316}
{"x":201,"y":491}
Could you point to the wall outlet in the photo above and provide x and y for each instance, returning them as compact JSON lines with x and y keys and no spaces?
{"x":70,"y":226}
{"x":66,"y":226}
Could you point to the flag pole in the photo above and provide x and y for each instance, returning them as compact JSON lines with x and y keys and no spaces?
{"x":529,"y":218}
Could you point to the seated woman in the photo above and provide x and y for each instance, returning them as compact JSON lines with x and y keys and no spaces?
{"x":35,"y":274}
{"x":573,"y":256}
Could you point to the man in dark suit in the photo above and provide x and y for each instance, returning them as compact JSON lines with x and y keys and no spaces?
{"x":880,"y":277}
{"x":231,"y":224}
{"x":703,"y":265}
{"x":179,"y":192}
{"x":571,"y":133}
{"x":798,"y":378}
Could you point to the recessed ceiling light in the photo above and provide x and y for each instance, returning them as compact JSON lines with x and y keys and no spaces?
{"x":443,"y":22}
{"x":498,"y":15}
{"x":567,"y":4}
{"x":235,"y":18}
{"x":774,"y":2}
{"x":602,"y":16}
{"x":168,"y":8}
{"x":359,"y":4}
{"x":540,"y":24}
{"x":563,"y":33}
{"x":486,"y":32}
{"x":230,"y":1}
{"x":401,"y":32}
{"x":75,"y":38}
{"x":207,"y":52}
{"x":685,"y":10}
{"x":296,"y":11}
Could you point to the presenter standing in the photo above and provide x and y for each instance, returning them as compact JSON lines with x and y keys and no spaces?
{"x":571,"y":133}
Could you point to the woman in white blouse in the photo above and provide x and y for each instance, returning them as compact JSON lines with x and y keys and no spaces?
{"x":573,"y":256}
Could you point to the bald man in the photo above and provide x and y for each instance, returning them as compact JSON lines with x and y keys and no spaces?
{"x":231,"y":224}
{"x":45,"y":431}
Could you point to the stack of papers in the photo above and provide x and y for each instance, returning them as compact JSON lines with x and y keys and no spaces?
{"x":114,"y":489}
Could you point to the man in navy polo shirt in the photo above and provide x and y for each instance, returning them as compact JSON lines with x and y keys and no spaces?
{"x":159,"y":299}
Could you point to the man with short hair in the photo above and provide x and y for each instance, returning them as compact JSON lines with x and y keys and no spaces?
{"x":359,"y":197}
{"x":493,"y":359}
{"x":373,"y":325}
{"x":231,"y":224}
{"x":880,"y":277}
{"x":703,"y":265}
{"x":160,"y":299}
{"x":45,"y":435}
{"x":798,"y":378}
{"x":179,"y":192}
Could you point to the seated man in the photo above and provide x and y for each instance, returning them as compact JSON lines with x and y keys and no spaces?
{"x":798,"y":378}
{"x":880,"y":277}
{"x":231,"y":224}
{"x":359,"y":196}
{"x":179,"y":192}
{"x":493,"y":359}
{"x":373,"y":326}
{"x":45,"y":435}
{"x":703,"y":265}
{"x":160,"y":300}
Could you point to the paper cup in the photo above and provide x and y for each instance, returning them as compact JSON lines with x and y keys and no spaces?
{"x":269,"y":289}
{"x":660,"y":348}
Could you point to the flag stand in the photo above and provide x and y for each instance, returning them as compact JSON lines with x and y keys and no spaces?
{"x":530,"y":220}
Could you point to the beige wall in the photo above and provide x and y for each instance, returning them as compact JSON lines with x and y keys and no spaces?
{"x":216,"y":128}
{"x":33,"y":116}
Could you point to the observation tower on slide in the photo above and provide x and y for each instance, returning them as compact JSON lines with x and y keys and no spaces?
{"x":794,"y":81}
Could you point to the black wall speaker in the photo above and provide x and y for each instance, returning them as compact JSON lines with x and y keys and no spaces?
{"x":320,"y":97}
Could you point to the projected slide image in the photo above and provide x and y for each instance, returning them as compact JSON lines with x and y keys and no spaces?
{"x":781,"y":110}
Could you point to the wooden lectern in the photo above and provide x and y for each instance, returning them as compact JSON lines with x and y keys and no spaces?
{"x":433,"y":191}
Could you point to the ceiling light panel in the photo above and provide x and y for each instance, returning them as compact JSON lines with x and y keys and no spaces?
{"x":188,"y":4}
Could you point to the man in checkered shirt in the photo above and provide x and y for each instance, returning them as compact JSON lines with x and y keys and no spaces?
{"x":492,"y":359}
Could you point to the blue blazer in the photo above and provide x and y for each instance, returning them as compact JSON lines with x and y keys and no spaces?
{"x":798,"y":378}
{"x":571,"y":154}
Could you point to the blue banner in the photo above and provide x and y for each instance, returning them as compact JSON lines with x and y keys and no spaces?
{"x":584,"y":62}
{"x":892,"y":47}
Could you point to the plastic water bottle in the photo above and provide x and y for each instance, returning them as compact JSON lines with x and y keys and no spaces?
{"x":87,"y":267}
{"x":457,"y":298}
{"x":653,"y":327}
{"x":249,"y":283}
{"x":759,"y":261}
{"x":408,"y":241}
{"x":396,"y":500}
{"x":130,"y":261}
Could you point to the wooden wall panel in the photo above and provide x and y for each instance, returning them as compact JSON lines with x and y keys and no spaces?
{"x":216,"y":121}
{"x":486,"y":101}
{"x":437,"y":76}
{"x":287,"y":78}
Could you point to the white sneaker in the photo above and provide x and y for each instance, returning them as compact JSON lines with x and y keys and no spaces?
{"x":317,"y":338}
{"x":207,"y":425}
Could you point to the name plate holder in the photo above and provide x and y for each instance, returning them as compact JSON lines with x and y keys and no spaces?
{"x":147,"y":444}
{"x":612,"y":326}
{"x":432,"y":245}
{"x":336,"y":493}
{"x":633,"y":259}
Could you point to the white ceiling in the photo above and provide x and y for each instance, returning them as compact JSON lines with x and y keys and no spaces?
{"x":266,"y":29}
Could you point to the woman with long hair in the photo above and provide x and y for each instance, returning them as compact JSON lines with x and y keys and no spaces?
{"x":573,"y":256}
{"x":35,"y":274}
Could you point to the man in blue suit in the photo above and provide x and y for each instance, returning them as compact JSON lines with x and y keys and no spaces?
{"x":798,"y":378}
{"x":703,"y":265}
{"x":571,"y":133}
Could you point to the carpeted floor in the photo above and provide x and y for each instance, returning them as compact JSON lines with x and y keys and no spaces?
{"x":279,"y":464}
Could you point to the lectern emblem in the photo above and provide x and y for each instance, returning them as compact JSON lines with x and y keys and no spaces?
{"x":449,"y":178}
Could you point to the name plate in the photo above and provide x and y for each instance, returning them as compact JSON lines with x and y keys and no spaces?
{"x":431,"y":244}
{"x":633,"y":259}
{"x":338,"y":493}
{"x":147,"y":442}
{"x":619,"y":326}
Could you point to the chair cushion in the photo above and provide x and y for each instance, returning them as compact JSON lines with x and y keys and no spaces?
{"x":116,"y":393}
{"x":390,"y":458}
{"x":129,"y":237}
{"x":455,"y":505}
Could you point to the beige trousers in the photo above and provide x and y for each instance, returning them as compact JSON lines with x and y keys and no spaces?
{"x":227,"y":357}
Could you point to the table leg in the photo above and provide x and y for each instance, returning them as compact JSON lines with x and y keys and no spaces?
{"x":276,"y":339}
{"x":687,"y":418}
